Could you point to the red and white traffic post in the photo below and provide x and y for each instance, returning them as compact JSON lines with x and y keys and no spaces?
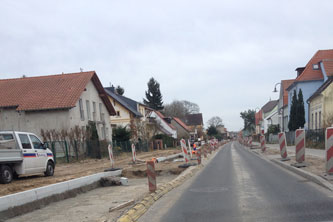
{"x":283,"y":146}
{"x":133,"y":153}
{"x":111,"y":155}
{"x":329,"y":150}
{"x":300,"y":146}
{"x":184,"y":150}
{"x":189,"y":147}
{"x":151,"y":175}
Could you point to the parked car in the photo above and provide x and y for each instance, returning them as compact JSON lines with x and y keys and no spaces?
{"x":23,"y":153}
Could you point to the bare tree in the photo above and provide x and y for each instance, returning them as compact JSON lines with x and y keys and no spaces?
{"x":180,"y":109}
{"x":215,"y":121}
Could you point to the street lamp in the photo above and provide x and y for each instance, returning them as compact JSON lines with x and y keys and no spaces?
{"x":280,"y":110}
{"x":275,"y":90}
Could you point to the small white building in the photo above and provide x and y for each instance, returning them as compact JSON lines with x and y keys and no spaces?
{"x":55,"y":102}
{"x":163,"y":125}
{"x":270,"y":114}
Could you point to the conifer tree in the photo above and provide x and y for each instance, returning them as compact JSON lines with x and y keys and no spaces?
{"x":300,"y":113}
{"x":293,"y":109}
{"x":153,"y":95}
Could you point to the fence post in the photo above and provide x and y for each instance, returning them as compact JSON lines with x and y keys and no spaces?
{"x":66,"y":147}
{"x":54,"y":153}
{"x":76,"y":150}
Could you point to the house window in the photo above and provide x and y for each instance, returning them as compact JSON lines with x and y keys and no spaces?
{"x":316,"y":122}
{"x":81,"y":110}
{"x":94,"y":111}
{"x":88,"y":109}
{"x":118,"y":113}
{"x":312,"y":122}
{"x":319,"y":120}
{"x":100,"y":112}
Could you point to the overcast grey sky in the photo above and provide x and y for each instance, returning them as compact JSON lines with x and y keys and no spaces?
{"x":225,"y":56}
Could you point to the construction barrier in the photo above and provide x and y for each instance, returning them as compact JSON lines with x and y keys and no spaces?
{"x":199,"y":156}
{"x":189,"y":148}
{"x":300,"y":145}
{"x":133,"y":153}
{"x":283,"y":145}
{"x":111,"y":155}
{"x":262,"y":143}
{"x":329,"y":150}
{"x":184,"y":150}
{"x":151,"y":175}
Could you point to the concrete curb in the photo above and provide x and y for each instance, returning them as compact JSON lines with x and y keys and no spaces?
{"x":140,"y":208}
{"x":33,"y":195}
{"x":310,"y":176}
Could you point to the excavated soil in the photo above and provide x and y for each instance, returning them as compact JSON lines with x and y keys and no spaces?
{"x":64,"y":171}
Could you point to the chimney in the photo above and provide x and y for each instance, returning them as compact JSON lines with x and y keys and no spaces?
{"x":299,"y":70}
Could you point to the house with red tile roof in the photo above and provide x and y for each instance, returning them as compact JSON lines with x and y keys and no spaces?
{"x":163,"y":125}
{"x":195,"y":123}
{"x":258,"y":121}
{"x":311,"y":77}
{"x":55,"y":102}
{"x":183,"y":131}
{"x":283,"y":104}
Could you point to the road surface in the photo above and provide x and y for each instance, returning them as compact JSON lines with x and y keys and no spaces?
{"x":240,"y":186}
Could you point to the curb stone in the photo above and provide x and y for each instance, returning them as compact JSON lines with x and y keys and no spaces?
{"x":310,"y":176}
{"x":141,"y":207}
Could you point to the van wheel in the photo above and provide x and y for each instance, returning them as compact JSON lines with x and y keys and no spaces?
{"x":6,"y":174}
{"x":49,"y":169}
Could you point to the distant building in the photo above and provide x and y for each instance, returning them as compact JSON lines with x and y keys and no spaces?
{"x":195,"y":124}
{"x":183,"y":130}
{"x":283,"y":109}
{"x":321,"y":104}
{"x":126,"y":109}
{"x":270,"y":114}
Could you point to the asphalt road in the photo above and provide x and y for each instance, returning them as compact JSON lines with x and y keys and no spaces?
{"x":240,"y":186}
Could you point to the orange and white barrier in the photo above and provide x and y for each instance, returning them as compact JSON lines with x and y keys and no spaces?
{"x":111,"y":155}
{"x":189,"y":148}
{"x":300,"y":145}
{"x":184,"y":150}
{"x":329,"y":150}
{"x":133,"y":153}
{"x":151,"y":175}
{"x":283,"y":145}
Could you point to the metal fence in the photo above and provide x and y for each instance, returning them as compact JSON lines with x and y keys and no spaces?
{"x":71,"y":151}
{"x":313,"y":138}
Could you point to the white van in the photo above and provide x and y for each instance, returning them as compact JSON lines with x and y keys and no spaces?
{"x":23,"y":153}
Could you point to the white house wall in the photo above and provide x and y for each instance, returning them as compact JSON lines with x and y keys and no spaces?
{"x":34,"y":121}
{"x":164,"y":125}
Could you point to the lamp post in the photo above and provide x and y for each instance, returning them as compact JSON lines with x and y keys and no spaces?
{"x":282,"y":117}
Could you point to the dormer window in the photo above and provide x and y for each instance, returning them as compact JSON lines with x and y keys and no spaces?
{"x":315,"y":66}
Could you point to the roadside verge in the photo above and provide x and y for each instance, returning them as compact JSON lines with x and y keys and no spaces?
{"x":23,"y":202}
